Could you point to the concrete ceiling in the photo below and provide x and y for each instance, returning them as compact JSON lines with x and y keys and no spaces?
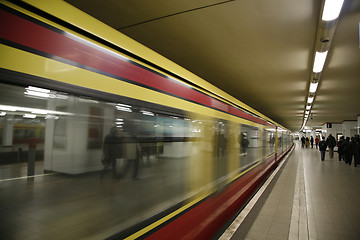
{"x":259,"y":51}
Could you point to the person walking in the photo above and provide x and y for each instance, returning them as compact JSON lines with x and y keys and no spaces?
{"x":354,"y":151}
{"x":331,"y":143}
{"x":317,"y":140}
{"x":340,"y":146}
{"x":302,"y":141}
{"x":312,"y":141}
{"x":347,"y":151}
{"x":322,"y":148}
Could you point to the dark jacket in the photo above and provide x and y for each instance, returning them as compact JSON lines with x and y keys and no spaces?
{"x":340,"y":145}
{"x":322,"y":145}
{"x":331,"y":142}
{"x":347,"y":146}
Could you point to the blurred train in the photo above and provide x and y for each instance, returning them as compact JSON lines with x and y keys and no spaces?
{"x":203,"y":153}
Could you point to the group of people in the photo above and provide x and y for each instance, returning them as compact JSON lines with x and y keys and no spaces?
{"x":348,"y":148}
{"x":306,"y":142}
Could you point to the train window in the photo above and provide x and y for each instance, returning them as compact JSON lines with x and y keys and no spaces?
{"x":134,"y":158}
{"x":140,"y":150}
{"x":270,"y":141}
{"x":280,"y":141}
{"x":250,"y":146}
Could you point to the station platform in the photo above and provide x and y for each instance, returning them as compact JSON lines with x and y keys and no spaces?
{"x":306,"y":198}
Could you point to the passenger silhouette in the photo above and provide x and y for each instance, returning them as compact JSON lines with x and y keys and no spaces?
{"x":331,"y":143}
{"x":112,"y":150}
{"x":322,"y":148}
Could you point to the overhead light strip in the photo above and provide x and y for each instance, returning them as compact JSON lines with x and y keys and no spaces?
{"x":332,"y":9}
{"x":313,"y":87}
{"x":319,"y":62}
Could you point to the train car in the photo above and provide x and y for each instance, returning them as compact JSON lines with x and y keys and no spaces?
{"x":186,"y":156}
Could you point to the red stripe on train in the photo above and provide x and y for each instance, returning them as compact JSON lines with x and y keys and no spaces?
{"x":206,"y":219}
{"x":19,"y":30}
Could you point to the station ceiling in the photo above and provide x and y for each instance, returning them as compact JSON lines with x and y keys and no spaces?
{"x":261,"y":51}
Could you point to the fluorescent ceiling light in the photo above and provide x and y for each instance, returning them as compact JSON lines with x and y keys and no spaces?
{"x":313,"y":87}
{"x":320,"y":58}
{"x":307,"y":112}
{"x":310,"y":99}
{"x":125,"y":109}
{"x":29,"y":116}
{"x":308,"y":107}
{"x":36,"y":89}
{"x":332,"y":9}
{"x":147,"y":113}
{"x":37,"y":94}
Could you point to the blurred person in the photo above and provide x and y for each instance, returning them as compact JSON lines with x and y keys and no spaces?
{"x":340,"y":146}
{"x":331,"y":143}
{"x":312,"y":141}
{"x":244,"y":143}
{"x":322,"y":148}
{"x":354,"y":150}
{"x":347,"y":151}
{"x":302,"y":141}
{"x":317,"y":140}
{"x":307,"y":142}
{"x":357,"y":150}
{"x":111,"y":152}
{"x":133,"y":147}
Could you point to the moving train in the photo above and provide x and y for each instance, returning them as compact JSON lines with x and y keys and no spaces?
{"x":197,"y":153}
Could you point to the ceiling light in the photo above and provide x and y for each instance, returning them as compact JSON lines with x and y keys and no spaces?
{"x":307,"y":112}
{"x":147,"y":113}
{"x":36,"y":89}
{"x":310,"y":99}
{"x":320,"y":58}
{"x":313,"y":87}
{"x":308,"y":107}
{"x":37,"y":94}
{"x":29,"y":116}
{"x":332,"y":9}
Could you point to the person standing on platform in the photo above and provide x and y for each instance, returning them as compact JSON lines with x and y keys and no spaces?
{"x":322,"y":148}
{"x":312,"y":141}
{"x":340,"y":146}
{"x":331,"y":143}
{"x":317,"y":140}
